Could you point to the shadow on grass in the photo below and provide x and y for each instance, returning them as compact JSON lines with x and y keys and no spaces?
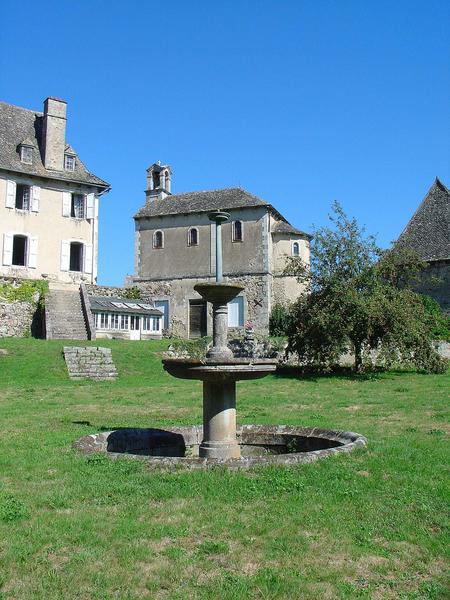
{"x":342,"y":373}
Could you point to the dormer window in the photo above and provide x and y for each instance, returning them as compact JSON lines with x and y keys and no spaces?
{"x":26,"y":154}
{"x":69,"y":162}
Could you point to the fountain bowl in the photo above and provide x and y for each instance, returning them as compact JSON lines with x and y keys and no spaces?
{"x":218,"y":292}
{"x":209,"y":369}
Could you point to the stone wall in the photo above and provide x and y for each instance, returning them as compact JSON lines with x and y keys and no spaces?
{"x":435,"y":282}
{"x":16,"y":318}
{"x":178,"y":292}
{"x":19,"y":318}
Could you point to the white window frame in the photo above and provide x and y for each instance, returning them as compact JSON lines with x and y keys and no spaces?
{"x":30,"y":196}
{"x":23,"y":151}
{"x":69,"y":159}
{"x":82,"y":199}
{"x":239,"y":301}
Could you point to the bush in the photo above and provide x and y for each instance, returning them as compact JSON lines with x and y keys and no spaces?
{"x":25,"y":291}
{"x":279,"y":320}
{"x":440,"y":322}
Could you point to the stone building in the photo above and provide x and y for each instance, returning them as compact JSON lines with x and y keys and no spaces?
{"x":48,"y":199}
{"x":428,"y":233}
{"x":175,"y":249}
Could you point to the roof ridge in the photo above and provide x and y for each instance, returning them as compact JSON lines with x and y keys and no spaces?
{"x":35,"y":112}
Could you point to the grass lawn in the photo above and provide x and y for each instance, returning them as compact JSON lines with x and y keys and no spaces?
{"x":371,"y":524}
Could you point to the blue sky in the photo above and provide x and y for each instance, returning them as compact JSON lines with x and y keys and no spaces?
{"x":300,"y":102}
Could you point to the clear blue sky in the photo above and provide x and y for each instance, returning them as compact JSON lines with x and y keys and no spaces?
{"x":300,"y":102}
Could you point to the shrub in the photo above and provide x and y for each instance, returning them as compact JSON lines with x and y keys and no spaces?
{"x":279,"y":320}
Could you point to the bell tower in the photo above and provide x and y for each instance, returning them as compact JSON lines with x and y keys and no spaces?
{"x":158,"y":181}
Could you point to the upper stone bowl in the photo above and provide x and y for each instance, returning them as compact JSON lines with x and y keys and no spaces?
{"x":218,"y":293}
{"x":223,"y":370}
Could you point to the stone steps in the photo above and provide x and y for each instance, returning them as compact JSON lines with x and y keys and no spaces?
{"x":64,"y":315}
{"x":91,"y":362}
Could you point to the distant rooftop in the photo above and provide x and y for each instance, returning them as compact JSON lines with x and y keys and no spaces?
{"x":23,"y":126}
{"x":428,"y":230}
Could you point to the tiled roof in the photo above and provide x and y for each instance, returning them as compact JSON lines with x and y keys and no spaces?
{"x":209,"y":200}
{"x":20,"y":124}
{"x":285,"y":227}
{"x":190,"y":202}
{"x":428,"y":231}
{"x":122,"y":305}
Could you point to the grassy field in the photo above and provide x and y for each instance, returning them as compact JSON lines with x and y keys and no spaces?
{"x":371,"y":524}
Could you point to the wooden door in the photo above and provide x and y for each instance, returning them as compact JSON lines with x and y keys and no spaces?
{"x":197,"y":318}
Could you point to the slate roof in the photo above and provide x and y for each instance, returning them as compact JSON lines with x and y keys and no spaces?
{"x":19,"y":124}
{"x":428,"y":231}
{"x":132,"y":307}
{"x":205,"y":201}
{"x":285,"y":227}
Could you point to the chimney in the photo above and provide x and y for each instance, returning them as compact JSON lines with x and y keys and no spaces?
{"x":54,"y":133}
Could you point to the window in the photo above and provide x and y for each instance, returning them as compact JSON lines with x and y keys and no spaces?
{"x":19,"y":253}
{"x":23,"y":194}
{"x":236,"y":312}
{"x":237,"y":231}
{"x":156,"y":179}
{"x":163,"y":306}
{"x":158,"y":239}
{"x":134,"y":322}
{"x":77,"y":208}
{"x":102,"y":320}
{"x":150,"y":323}
{"x":193,"y":236}
{"x":69,"y":162}
{"x":76,"y":256}
{"x":26,"y":154}
{"x":295,"y":249}
{"x":124,"y":322}
{"x":115,"y":319}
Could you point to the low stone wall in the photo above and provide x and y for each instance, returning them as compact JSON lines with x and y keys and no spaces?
{"x":16,"y":318}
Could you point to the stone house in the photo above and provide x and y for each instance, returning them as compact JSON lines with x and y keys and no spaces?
{"x":428,"y":233}
{"x":48,"y":199}
{"x":175,"y":249}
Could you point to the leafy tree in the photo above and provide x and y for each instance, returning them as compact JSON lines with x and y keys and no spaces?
{"x":279,"y":320}
{"x":357,"y":299}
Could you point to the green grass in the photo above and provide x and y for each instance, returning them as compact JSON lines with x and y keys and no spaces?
{"x":372,"y":524}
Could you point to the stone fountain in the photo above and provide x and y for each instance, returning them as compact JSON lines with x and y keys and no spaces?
{"x":219,"y":441}
{"x":219,"y":371}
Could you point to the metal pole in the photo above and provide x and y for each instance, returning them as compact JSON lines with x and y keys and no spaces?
{"x":219,"y":275}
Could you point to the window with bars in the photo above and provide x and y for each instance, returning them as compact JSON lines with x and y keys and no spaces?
{"x":23,"y":195}
{"x":78,"y":206}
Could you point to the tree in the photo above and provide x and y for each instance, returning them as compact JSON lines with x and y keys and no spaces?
{"x":358,"y":299}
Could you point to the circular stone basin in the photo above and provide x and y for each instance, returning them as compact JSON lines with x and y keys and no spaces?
{"x":209,"y":369}
{"x":260,"y":445}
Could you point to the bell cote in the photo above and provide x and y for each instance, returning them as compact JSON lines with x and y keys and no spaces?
{"x":158,"y":181}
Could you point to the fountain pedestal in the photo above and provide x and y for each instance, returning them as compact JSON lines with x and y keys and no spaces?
{"x":219,"y":421}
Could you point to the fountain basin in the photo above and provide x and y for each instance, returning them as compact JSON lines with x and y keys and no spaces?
{"x":218,"y":292}
{"x":260,"y":445}
{"x":223,"y":370}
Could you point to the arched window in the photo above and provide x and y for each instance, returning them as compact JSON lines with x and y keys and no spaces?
{"x":295,"y":249}
{"x":158,"y":239}
{"x":193,"y":236}
{"x":237,"y":231}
